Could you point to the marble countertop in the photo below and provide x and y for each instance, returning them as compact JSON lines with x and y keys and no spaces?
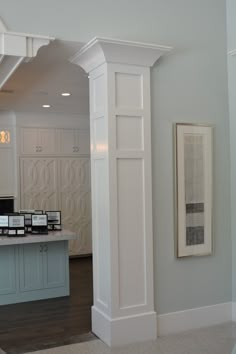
{"x":53,"y":236}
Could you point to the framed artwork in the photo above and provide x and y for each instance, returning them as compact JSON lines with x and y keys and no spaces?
{"x":193,"y":189}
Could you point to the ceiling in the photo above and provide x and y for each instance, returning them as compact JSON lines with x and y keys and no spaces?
{"x":42,"y":81}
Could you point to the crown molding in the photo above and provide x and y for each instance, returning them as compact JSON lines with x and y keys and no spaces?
{"x":105,"y":50}
{"x":232,"y":52}
{"x":16,"y":48}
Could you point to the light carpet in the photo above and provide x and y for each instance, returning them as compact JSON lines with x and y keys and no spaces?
{"x":212,"y":340}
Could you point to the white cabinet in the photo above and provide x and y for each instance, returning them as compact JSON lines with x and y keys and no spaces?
{"x":60,"y":184}
{"x":7,"y":163}
{"x":40,"y":141}
{"x":73,"y":141}
{"x":75,"y":201}
{"x":52,"y":141}
{"x":38,"y":183}
{"x":55,"y":175}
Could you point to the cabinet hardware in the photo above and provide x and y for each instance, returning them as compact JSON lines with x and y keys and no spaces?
{"x":45,"y":248}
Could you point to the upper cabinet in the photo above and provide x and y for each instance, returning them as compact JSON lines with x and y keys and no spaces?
{"x":40,"y":141}
{"x":73,"y":141}
{"x":52,"y":141}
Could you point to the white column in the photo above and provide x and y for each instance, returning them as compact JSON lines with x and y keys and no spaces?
{"x":119,"y":71}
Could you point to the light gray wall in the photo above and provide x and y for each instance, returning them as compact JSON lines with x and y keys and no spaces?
{"x":231,"y":28}
{"x":190,"y":85}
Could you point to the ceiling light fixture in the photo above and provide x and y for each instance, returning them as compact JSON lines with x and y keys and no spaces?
{"x":46,"y":106}
{"x":66,"y":94}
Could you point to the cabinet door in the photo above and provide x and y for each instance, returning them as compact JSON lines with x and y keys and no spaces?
{"x":55,"y":264}
{"x":31,"y":267}
{"x":29,"y":141}
{"x":47,"y":141}
{"x":66,"y":141}
{"x":82,"y":141}
{"x":75,"y":201}
{"x":7,"y":270}
{"x":38,"y":183}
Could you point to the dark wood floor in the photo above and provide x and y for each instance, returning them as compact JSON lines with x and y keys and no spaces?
{"x":48,"y":323}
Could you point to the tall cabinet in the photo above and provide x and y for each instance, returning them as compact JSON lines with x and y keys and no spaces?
{"x":54,"y":169}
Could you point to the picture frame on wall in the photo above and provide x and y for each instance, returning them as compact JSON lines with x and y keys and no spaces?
{"x":193,"y":172}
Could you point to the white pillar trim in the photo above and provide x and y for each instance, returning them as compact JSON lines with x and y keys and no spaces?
{"x":16,"y":48}
{"x":121,"y":181}
{"x":105,"y":50}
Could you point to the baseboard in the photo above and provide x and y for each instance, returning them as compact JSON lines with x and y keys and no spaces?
{"x":195,"y":318}
{"x":124,"y":330}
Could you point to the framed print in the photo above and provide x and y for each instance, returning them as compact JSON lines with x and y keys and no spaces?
{"x":39,"y":224}
{"x":54,"y":220}
{"x":193,"y":189}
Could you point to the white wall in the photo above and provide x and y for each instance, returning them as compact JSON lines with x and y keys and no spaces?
{"x":231,"y":31}
{"x":190,"y":85}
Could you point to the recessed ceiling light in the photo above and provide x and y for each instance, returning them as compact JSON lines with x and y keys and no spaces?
{"x":66,"y":94}
{"x":46,"y":106}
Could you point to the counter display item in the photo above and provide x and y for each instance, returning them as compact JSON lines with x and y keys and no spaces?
{"x":16,"y":225}
{"x":54,"y":220}
{"x":28,"y":221}
{"x":39,"y":224}
{"x":4,"y":223}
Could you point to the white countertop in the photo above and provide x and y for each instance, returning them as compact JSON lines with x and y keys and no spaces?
{"x":53,"y":236}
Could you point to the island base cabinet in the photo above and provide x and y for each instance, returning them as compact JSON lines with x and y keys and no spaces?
{"x":55,"y":264}
{"x":8,"y":270}
{"x":31,"y":267}
{"x":35,"y":271}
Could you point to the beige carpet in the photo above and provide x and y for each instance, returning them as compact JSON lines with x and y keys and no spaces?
{"x":213,"y":340}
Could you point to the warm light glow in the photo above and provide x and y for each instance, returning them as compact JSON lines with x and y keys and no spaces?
{"x":66,"y":94}
{"x":5,"y":137}
{"x":46,"y":106}
{"x":101,"y":147}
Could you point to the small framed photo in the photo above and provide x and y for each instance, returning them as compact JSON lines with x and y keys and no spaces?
{"x":39,"y":224}
{"x":16,"y":225}
{"x":54,"y":220}
{"x":4,"y":224}
{"x":193,"y":152}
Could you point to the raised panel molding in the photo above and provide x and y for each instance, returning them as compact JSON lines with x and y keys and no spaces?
{"x":120,"y":121}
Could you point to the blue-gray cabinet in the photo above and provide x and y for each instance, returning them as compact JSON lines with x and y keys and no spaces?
{"x":7,"y":270}
{"x":31,"y":267}
{"x":33,"y":272}
{"x":54,"y":264}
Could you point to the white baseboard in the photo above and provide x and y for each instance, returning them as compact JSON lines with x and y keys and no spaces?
{"x":124,"y":330}
{"x":195,"y":318}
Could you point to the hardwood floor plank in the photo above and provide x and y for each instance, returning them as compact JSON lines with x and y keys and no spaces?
{"x":47,"y":323}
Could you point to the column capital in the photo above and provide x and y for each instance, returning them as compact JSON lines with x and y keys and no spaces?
{"x":16,"y":48}
{"x":104,"y":50}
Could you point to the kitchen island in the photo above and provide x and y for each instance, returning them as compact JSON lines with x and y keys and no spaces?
{"x":34,"y":267}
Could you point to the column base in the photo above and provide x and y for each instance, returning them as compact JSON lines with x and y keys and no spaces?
{"x":124,"y":330}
